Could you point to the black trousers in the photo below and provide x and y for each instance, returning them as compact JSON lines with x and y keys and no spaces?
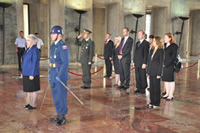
{"x":141,"y":79}
{"x":20,"y":54}
{"x":124,"y":73}
{"x":86,"y":74}
{"x":155,"y":91}
{"x":108,"y":67}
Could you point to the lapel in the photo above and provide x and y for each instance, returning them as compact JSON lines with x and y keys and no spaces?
{"x":156,"y":53}
{"x":29,"y":51}
{"x":142,"y":43}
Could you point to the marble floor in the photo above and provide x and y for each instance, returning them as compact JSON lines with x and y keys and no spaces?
{"x":105,"y":110}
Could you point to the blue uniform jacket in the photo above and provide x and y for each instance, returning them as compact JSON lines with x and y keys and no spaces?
{"x":31,"y":59}
{"x":59,"y":55}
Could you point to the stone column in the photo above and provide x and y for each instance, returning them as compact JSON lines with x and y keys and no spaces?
{"x":195,"y":28}
{"x":159,"y":21}
{"x":20,"y":18}
{"x":56,"y":16}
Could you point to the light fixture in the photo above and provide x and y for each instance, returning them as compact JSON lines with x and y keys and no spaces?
{"x":182,"y":27}
{"x":136,"y":25}
{"x":80,"y":12}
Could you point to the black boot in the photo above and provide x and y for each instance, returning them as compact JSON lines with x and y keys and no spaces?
{"x":55,"y":119}
{"x":61,"y":121}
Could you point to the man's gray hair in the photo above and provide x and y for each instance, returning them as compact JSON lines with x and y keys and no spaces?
{"x":33,"y":38}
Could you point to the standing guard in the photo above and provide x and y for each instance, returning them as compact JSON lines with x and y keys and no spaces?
{"x":59,"y":62}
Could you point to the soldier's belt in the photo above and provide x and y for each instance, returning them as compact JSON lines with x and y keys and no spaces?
{"x":54,"y":65}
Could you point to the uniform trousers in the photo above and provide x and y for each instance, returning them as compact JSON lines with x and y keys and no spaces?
{"x":86,"y":69}
{"x":59,"y":93}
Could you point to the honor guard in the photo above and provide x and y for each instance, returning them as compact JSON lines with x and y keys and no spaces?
{"x":86,"y":56}
{"x":59,"y":61}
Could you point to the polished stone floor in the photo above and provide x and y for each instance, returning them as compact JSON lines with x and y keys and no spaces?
{"x":105,"y":110}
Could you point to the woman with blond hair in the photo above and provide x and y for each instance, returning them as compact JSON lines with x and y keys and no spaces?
{"x":154,"y":71}
{"x":171,"y":50}
{"x":116,"y":60}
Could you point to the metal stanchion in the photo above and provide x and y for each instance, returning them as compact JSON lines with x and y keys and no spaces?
{"x":104,"y":73}
{"x":113,"y":69}
{"x":198,"y":70}
{"x":104,"y":69}
{"x":95,"y":69}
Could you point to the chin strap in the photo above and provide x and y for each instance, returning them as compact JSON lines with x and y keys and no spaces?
{"x":56,"y":37}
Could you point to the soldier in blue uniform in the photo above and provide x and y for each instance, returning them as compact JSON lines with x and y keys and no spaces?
{"x":59,"y":61}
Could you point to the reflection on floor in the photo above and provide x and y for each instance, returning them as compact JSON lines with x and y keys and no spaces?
{"x":106,"y":110}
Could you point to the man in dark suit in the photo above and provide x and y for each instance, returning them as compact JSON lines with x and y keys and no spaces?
{"x":108,"y":48}
{"x":124,"y":57}
{"x":140,"y":62}
{"x":86,"y":56}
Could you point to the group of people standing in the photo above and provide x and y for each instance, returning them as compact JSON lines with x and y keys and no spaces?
{"x":153,"y":61}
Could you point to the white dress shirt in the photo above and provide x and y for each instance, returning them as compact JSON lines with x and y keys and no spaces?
{"x":125,"y":39}
{"x":20,"y":42}
{"x":39,"y":43}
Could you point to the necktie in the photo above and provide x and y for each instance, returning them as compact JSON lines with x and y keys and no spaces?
{"x":139,"y":43}
{"x":120,"y":52}
{"x":106,"y":43}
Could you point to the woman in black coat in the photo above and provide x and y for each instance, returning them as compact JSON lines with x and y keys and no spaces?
{"x":169,"y":74}
{"x":154,"y":71}
{"x":116,"y":60}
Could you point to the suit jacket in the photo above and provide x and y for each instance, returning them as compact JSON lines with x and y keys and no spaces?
{"x":126,"y":51}
{"x":155,"y":63}
{"x":170,"y":54}
{"x":108,"y":49}
{"x":115,"y":53}
{"x":141,"y":53}
{"x":31,"y":59}
{"x":87,"y":52}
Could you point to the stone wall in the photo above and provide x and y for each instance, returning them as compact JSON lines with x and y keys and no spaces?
{"x":158,"y":21}
{"x":10,"y":56}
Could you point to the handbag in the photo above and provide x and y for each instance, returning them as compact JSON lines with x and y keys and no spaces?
{"x":178,"y":66}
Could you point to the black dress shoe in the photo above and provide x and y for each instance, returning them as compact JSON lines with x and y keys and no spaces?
{"x":164,"y":97}
{"x":83,"y":86}
{"x":27,"y":105}
{"x":150,"y":106}
{"x":169,"y":99}
{"x":30,"y":107}
{"x":61,"y":121}
{"x":163,"y":93}
{"x":87,"y":87}
{"x":120,"y":87}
